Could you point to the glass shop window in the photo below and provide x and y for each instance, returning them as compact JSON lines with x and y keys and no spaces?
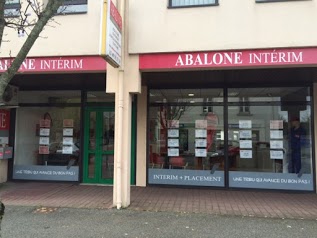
{"x":274,"y":139}
{"x":47,"y":144}
{"x":186,"y":134}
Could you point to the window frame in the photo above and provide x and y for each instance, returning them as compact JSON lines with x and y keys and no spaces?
{"x":170,"y":5}
{"x":12,"y":9}
{"x":73,"y":7}
{"x":272,"y":1}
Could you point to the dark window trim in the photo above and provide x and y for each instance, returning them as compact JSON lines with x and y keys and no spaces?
{"x":62,"y":10}
{"x":270,"y":1}
{"x":186,"y":104}
{"x":49,"y":104}
{"x":11,"y":7}
{"x":75,"y":2}
{"x":237,"y":104}
{"x":170,"y":6}
{"x":312,"y":123}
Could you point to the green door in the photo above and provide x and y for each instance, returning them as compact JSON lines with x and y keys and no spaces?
{"x":99,"y":145}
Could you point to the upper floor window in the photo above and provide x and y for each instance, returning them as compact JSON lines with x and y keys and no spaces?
{"x":278,"y":0}
{"x":191,"y":3}
{"x":244,"y":108}
{"x":12,"y":8}
{"x":73,"y":7}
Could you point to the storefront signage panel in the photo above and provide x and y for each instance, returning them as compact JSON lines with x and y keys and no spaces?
{"x":4,"y":120}
{"x":186,"y":177}
{"x":54,"y":173}
{"x":287,"y":181}
{"x":226,"y":59}
{"x":111,"y":34}
{"x":4,"y":131}
{"x":58,"y":64}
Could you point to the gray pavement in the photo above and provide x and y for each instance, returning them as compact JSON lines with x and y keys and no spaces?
{"x":74,"y":222}
{"x":183,"y":200}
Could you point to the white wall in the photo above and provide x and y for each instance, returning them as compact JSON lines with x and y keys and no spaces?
{"x":234,"y":24}
{"x":75,"y":34}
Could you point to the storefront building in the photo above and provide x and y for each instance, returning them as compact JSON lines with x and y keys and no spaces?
{"x":227,"y":94}
{"x":237,"y":128}
{"x":66,"y":122}
{"x":62,"y":130}
{"x":48,"y":120}
{"x":215,"y":86}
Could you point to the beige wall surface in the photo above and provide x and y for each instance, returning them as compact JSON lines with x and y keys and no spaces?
{"x":75,"y":34}
{"x":141,"y":138}
{"x":234,"y":24}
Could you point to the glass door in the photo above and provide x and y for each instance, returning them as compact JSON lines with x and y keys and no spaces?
{"x":99,"y":145}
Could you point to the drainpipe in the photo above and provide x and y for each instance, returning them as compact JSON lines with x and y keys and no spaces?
{"x":120,"y":141}
{"x":120,"y":110}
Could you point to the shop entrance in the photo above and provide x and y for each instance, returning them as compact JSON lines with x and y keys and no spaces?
{"x":99,"y":145}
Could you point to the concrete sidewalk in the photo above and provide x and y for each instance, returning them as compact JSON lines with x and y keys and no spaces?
{"x":28,"y":222}
{"x":185,"y":200}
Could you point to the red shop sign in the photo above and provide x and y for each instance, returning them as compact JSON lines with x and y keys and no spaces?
{"x":4,"y":120}
{"x":58,"y":64}
{"x":229,"y":59}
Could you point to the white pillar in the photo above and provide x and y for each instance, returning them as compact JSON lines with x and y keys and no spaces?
{"x":141,"y":138}
{"x":124,"y":82}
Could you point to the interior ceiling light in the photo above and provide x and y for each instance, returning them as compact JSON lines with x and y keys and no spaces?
{"x":191,"y":95}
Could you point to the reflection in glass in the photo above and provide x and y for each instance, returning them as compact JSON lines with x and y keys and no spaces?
{"x":99,"y":96}
{"x":91,"y":166}
{"x":108,"y":128}
{"x":275,"y":145}
{"x":283,"y":95}
{"x":269,"y":140}
{"x":107,"y":166}
{"x":186,"y":129}
{"x":92,"y":131}
{"x":47,"y":142}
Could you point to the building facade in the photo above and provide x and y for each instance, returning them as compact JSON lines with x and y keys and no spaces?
{"x":229,"y":91}
{"x":61,"y":118}
{"x":209,"y":94}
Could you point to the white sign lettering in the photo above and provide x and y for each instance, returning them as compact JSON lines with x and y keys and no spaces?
{"x":238,"y":58}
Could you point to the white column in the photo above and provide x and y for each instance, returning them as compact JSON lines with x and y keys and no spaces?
{"x":124,"y":82}
{"x":141,"y":138}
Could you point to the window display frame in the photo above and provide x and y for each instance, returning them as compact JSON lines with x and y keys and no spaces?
{"x":226,"y":105}
{"x":72,"y":172}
